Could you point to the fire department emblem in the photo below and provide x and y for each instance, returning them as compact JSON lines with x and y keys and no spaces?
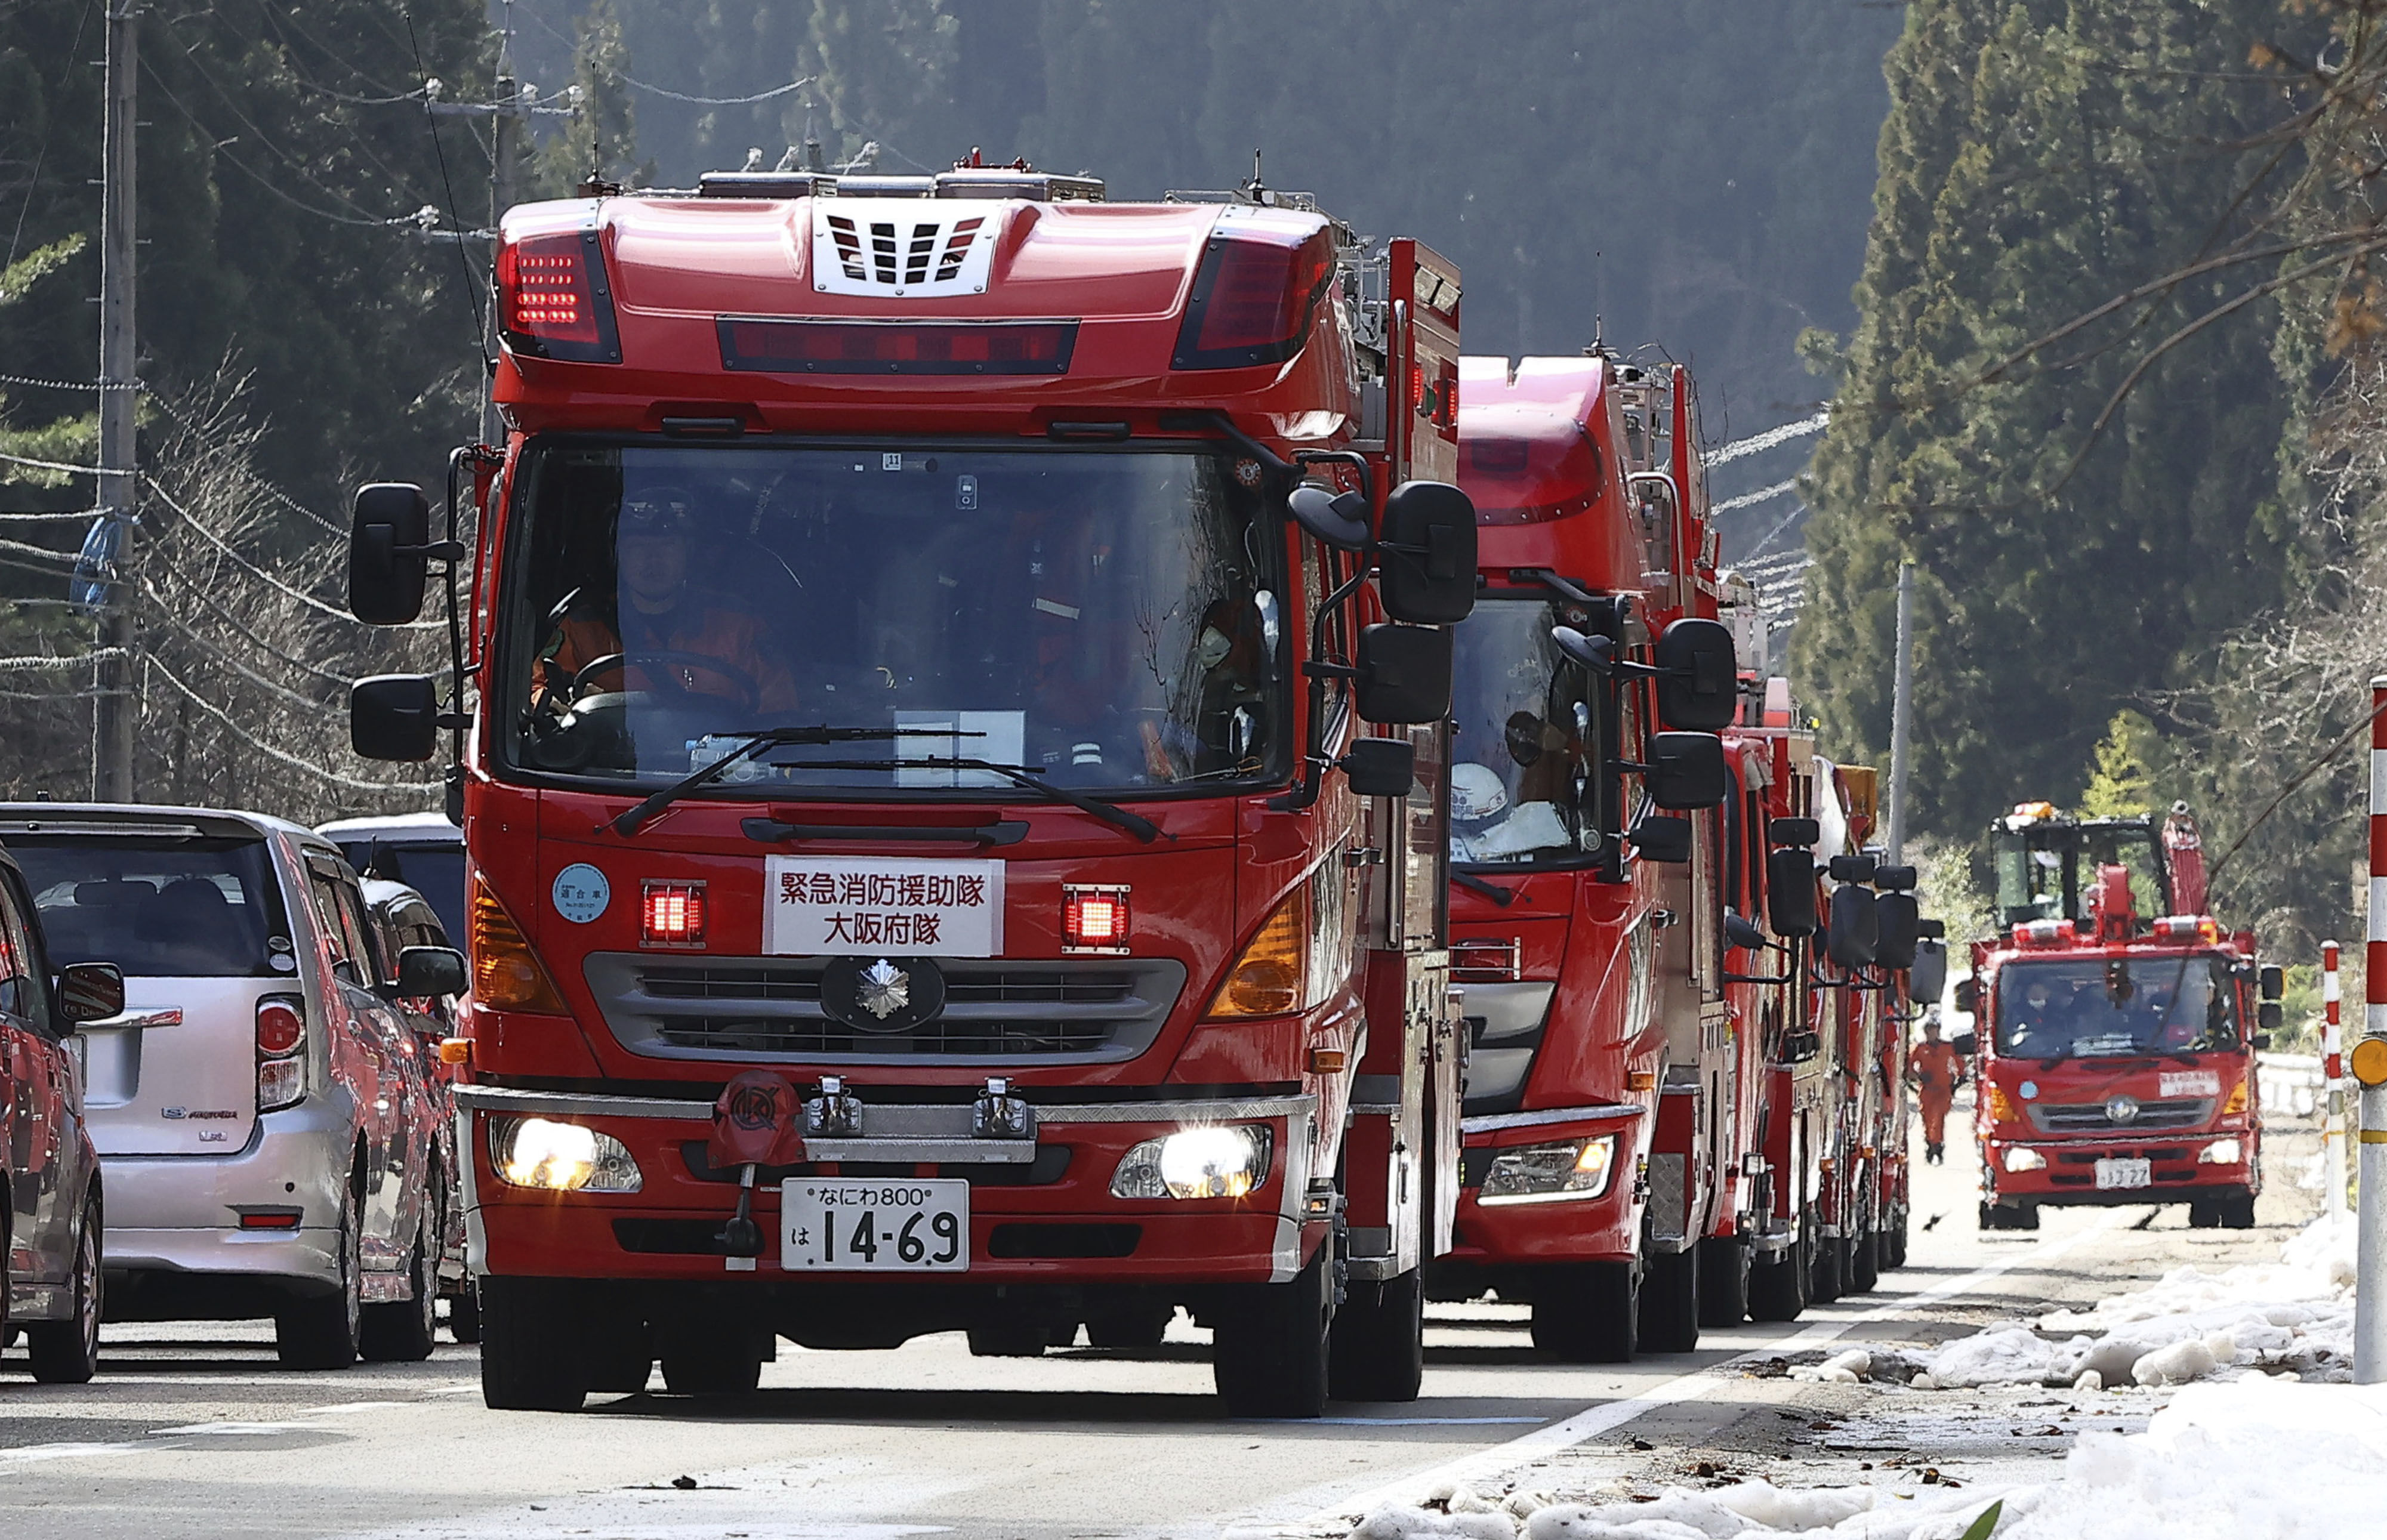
{"x":2121,"y":1109}
{"x":884,"y":988}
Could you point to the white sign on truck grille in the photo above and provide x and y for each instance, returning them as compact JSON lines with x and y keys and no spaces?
{"x":815,"y":904}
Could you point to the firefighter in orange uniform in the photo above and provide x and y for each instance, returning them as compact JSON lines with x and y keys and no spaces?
{"x":1936,"y":1072}
{"x":666,"y":634}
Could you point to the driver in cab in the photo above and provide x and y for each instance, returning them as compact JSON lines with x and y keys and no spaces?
{"x":667,"y":636}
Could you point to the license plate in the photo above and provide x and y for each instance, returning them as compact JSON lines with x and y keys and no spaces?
{"x":873,"y":1224}
{"x":2123,"y":1173}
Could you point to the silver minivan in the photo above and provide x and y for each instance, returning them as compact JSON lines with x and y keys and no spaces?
{"x":269,"y":1143}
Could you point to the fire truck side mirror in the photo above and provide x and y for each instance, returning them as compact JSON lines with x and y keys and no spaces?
{"x":1666,"y":840}
{"x":1928,"y":977}
{"x":1898,"y":931}
{"x":1968,"y":995}
{"x":1686,"y":770}
{"x":1699,"y":679}
{"x":2274,"y":981}
{"x":1932,"y":931}
{"x":1794,"y":831}
{"x":2269,"y":1015}
{"x":386,"y":565}
{"x":1380,"y":766}
{"x":1790,"y":891}
{"x":1967,"y":1044}
{"x":1426,"y":562}
{"x":1854,"y":933}
{"x":1336,"y":520}
{"x":1404,"y":673}
{"x":394,"y":716}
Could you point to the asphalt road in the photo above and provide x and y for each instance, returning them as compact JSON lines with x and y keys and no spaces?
{"x":194,"y":1431}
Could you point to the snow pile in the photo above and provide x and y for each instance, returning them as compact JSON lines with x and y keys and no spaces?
{"x":2255,"y":1460}
{"x":2295,"y":1316}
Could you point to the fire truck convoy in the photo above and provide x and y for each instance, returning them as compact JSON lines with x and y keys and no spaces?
{"x":2116,"y":1043}
{"x":954,"y":792}
{"x":1670,"y":1120}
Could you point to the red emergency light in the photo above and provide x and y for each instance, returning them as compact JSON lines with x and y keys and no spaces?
{"x":1253,"y":299}
{"x":672,"y":914}
{"x":1093,"y":918}
{"x":2189,"y":928}
{"x":554,"y":301}
{"x":760,"y":344}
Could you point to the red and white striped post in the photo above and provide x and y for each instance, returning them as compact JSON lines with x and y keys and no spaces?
{"x":2332,"y":1051}
{"x":2371,"y":1068}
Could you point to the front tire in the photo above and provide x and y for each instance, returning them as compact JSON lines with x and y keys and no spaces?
{"x":1670,"y":1302}
{"x":533,"y":1346}
{"x":1778,"y":1290}
{"x":1590,"y":1312}
{"x":1827,"y":1277}
{"x":67,"y":1352}
{"x":1724,"y":1267}
{"x":327,"y":1332}
{"x":1865,"y":1263}
{"x":464,"y":1312}
{"x":1269,"y":1353}
{"x":1376,"y":1351}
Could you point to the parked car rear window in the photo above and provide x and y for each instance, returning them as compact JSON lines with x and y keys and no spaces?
{"x":158,"y":908}
{"x":435,"y":871}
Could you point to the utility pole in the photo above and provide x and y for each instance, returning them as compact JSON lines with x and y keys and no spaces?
{"x":112,"y":703}
{"x":1901,"y":713}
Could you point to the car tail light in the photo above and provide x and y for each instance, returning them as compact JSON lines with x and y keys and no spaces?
{"x":1268,"y":979}
{"x":270,"y":1219}
{"x":506,"y":973}
{"x":553,"y":299}
{"x":672,"y":914}
{"x":281,"y":1064}
{"x":1255,"y":298}
{"x":1093,"y":919}
{"x":758,"y":344}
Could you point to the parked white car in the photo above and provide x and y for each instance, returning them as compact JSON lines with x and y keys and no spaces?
{"x":268,"y":1141}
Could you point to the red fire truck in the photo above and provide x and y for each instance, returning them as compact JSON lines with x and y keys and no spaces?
{"x":2116,"y":1043}
{"x":1562,"y":787}
{"x":954,"y":781}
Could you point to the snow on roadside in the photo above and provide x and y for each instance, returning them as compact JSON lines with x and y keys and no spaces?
{"x":2260,"y":1459}
{"x":2295,"y":1316}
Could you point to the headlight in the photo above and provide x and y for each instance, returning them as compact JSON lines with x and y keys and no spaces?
{"x":1225,"y":1161}
{"x":1550,"y":1173}
{"x":2221,"y":1152}
{"x":2020,"y":1159}
{"x":537,"y":1151}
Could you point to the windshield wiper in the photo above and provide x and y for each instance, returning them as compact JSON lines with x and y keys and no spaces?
{"x":757,"y":739}
{"x":1136,"y":823}
{"x":1493,"y":890}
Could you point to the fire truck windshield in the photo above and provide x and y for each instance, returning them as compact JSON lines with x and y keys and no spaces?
{"x":2047,"y":869}
{"x":1526,"y":739}
{"x":2088,"y":1008}
{"x":1109,"y":620}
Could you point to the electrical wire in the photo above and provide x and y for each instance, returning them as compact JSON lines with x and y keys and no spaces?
{"x":166,"y":609}
{"x":472,"y":278}
{"x":97,"y":654}
{"x":49,"y":124}
{"x":215,"y":148}
{"x":271,"y":752}
{"x":255,"y":571}
{"x":717,"y":101}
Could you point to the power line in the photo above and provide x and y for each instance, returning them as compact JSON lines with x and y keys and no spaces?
{"x":1763,"y":494}
{"x":716,"y":101}
{"x":254,"y":570}
{"x":1759,"y":443}
{"x":268,"y":750}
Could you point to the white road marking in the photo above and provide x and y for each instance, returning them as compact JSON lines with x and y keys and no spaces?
{"x":1339,"y":1502}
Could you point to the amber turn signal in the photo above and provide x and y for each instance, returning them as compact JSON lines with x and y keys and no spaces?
{"x":506,"y":973}
{"x":1326,"y":1061}
{"x":1268,"y":979}
{"x":455,"y":1050}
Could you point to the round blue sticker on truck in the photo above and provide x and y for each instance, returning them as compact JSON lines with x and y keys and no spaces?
{"x":581,"y":893}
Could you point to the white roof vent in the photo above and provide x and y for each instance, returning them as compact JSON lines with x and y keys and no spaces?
{"x":903,"y":249}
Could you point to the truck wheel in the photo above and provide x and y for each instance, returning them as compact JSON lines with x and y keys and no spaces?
{"x":1670,"y":1302}
{"x":1010,"y":1339}
{"x":719,"y":1363}
{"x":1376,"y":1349}
{"x":1590,"y":1312}
{"x":1865,"y":1262}
{"x":2024,"y":1216}
{"x":2236,"y":1211}
{"x":1269,"y":1344}
{"x":1827,"y":1277}
{"x":402,"y":1332}
{"x":621,"y":1351}
{"x":67,"y":1352}
{"x":325,"y":1333}
{"x":1778,"y":1290}
{"x":464,"y":1312}
{"x":1893,"y":1243}
{"x":1129,"y":1327}
{"x":1724,"y":1281}
{"x":534,"y":1347}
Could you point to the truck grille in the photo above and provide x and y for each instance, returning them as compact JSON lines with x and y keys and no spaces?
{"x":769,"y":1009}
{"x":2090,"y":1116}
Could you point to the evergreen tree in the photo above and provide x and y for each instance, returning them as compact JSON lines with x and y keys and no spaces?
{"x":2040,"y":157}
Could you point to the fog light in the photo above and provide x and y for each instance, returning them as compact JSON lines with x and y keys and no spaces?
{"x":2020,"y":1159}
{"x":537,"y":1151}
{"x":1224,"y":1161}
{"x":2221,"y":1152}
{"x":1550,"y":1173}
